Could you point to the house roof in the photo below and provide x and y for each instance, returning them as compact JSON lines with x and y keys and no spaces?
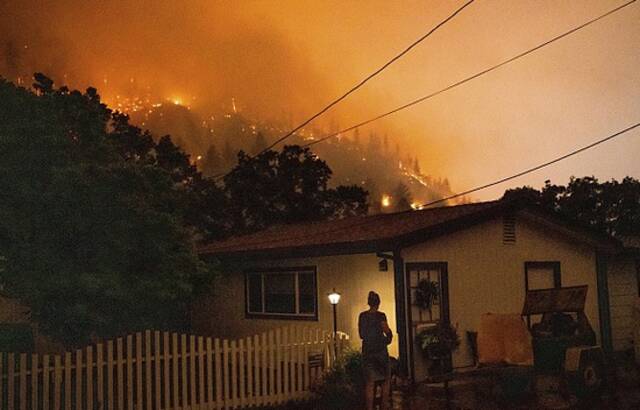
{"x":375,"y":233}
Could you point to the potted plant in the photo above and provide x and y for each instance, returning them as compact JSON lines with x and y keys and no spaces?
{"x":426,"y":292}
{"x":437,"y":342}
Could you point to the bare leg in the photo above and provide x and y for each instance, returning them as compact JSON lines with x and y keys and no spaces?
{"x":369,"y":394}
{"x":386,"y":391}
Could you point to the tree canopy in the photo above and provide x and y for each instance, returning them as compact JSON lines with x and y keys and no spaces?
{"x":99,"y":220}
{"x":96,"y":224}
{"x":612,"y":207}
{"x":286,"y":187}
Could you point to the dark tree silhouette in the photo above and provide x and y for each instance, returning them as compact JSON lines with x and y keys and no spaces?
{"x":612,"y":207}
{"x":285,"y":187}
{"x":93,"y":228}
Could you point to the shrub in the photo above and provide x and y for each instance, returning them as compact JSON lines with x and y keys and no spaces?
{"x":342,"y":388}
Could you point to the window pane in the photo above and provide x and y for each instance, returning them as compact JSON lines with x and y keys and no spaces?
{"x":254,"y":284}
{"x":307,"y":287}
{"x":280,"y":293}
{"x":540,"y":278}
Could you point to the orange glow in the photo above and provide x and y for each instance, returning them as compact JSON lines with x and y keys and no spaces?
{"x":386,"y":201}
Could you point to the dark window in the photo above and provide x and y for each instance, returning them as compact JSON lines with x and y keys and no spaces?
{"x":287,"y":292}
{"x":542,"y":275}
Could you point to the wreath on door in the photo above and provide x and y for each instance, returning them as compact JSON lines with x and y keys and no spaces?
{"x":427,"y":292}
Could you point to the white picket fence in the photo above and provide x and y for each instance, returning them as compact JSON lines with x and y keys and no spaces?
{"x":162,"y":370}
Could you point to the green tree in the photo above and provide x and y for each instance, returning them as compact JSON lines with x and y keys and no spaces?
{"x":93,"y":217}
{"x":286,"y":187}
{"x":612,"y":207}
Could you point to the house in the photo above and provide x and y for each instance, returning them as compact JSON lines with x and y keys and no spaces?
{"x":624,"y":294}
{"x":482,"y":257}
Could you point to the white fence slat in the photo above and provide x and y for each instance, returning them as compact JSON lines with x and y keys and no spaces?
{"x":210,"y":382}
{"x":285,"y":361}
{"x":67,"y":381}
{"x":241,"y":373}
{"x":11,"y":374}
{"x":34,"y":381}
{"x":292,"y":361}
{"x":175,"y":371}
{"x":201,"y":355}
{"x":23,"y":381}
{"x":271,"y":350}
{"x":192,"y":369}
{"x":138,"y":371}
{"x":278,"y":348}
{"x":148,"y":379}
{"x":57,"y":381}
{"x":89,"y":377}
{"x":250,"y":400}
{"x":120,"y":373}
{"x":166,"y":349}
{"x":183,"y":362}
{"x":45,"y":381}
{"x":100,"y":375}
{"x":225,"y":372}
{"x":129,"y":362}
{"x":257,"y":374}
{"x":157,"y":356}
{"x":306,"y":337}
{"x":233,"y":353}
{"x":78,"y":378}
{"x":218,"y":378}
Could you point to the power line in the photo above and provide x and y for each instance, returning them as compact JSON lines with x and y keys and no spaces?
{"x":369,"y":77}
{"x":481,"y":73}
{"x":532,"y":169}
{"x":361,"y":83}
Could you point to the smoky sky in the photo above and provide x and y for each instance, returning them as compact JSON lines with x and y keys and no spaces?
{"x":279,"y":58}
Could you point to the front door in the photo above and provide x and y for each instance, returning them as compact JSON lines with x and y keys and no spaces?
{"x":428,"y":293}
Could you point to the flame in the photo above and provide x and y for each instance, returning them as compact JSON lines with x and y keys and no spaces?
{"x":386,"y":200}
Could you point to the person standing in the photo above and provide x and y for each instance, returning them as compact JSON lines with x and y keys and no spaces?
{"x":376,"y":336}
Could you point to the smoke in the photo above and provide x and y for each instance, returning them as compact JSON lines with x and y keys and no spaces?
{"x":199,"y":52}
{"x":284,"y":59}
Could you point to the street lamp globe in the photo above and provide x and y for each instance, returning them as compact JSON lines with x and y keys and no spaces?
{"x":334,"y":297}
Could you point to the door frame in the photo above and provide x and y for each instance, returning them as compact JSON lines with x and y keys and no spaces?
{"x":444,"y":300}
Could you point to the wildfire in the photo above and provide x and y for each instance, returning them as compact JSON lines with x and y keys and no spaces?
{"x":386,"y":200}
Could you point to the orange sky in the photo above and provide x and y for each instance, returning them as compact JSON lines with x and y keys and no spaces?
{"x":281,"y":56}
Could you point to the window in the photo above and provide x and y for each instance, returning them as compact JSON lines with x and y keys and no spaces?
{"x":542,"y":275}
{"x":289,"y":293}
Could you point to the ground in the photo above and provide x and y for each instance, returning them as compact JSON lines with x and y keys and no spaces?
{"x":623,"y":394}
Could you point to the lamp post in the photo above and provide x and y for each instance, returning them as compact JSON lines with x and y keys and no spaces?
{"x":334,"y":299}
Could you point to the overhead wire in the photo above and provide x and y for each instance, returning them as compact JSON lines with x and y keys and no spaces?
{"x":472,"y":77}
{"x":362,"y":82}
{"x":532,"y":169}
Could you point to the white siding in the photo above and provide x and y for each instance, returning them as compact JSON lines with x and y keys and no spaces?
{"x":223,"y":312}
{"x":486,"y":275}
{"x":623,"y":295}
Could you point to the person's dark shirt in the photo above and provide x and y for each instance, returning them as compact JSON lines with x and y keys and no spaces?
{"x":370,"y":328}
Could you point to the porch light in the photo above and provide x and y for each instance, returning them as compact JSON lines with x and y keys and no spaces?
{"x":334,"y":297}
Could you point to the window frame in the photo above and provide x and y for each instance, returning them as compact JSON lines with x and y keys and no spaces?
{"x":555,"y":265}
{"x":282,"y":316}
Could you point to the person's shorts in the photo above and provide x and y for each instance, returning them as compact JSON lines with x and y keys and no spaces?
{"x":376,"y":366}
